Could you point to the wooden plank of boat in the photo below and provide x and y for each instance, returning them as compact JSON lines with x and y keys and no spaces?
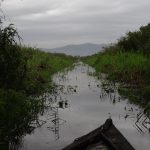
{"x":106,"y":137}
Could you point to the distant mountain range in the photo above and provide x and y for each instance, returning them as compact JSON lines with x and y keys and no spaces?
{"x":78,"y":50}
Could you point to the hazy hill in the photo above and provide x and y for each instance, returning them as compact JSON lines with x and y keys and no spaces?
{"x":78,"y":50}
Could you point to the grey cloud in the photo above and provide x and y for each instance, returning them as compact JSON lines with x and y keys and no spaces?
{"x":51,"y":23}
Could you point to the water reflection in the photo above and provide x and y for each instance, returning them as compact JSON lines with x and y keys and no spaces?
{"x":47,"y":114}
{"x":77,"y":103}
{"x":109,"y":90}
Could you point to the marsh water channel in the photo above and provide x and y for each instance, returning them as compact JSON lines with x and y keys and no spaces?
{"x":80,"y":105}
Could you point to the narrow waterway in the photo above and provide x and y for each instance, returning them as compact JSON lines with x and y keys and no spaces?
{"x":81,"y":105}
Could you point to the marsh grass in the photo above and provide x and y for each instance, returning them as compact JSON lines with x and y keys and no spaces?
{"x":41,"y":67}
{"x":130,"y":69}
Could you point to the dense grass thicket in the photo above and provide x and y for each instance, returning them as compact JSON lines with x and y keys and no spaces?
{"x":25,"y":73}
{"x":41,"y":66}
{"x":127,"y":64}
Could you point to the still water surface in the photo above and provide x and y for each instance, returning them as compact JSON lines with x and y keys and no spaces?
{"x":82,"y":105}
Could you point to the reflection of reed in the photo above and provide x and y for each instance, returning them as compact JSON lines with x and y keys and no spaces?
{"x":14,"y":146}
{"x":56,"y":121}
{"x":54,"y":117}
{"x":110,"y":91}
{"x":55,"y":102}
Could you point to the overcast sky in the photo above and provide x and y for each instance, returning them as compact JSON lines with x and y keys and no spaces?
{"x":53,"y":23}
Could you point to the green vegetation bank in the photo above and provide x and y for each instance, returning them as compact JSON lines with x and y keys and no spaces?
{"x":128,"y":62}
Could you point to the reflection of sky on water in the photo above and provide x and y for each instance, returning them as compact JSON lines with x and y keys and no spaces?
{"x":88,"y":106}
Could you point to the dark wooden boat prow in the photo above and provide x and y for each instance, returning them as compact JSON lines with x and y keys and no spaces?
{"x":106,"y":137}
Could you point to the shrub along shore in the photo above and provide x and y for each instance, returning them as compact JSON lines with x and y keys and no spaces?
{"x":25,"y":74}
{"x":127,"y":62}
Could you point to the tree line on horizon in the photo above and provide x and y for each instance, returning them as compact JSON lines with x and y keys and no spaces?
{"x":137,"y":41}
